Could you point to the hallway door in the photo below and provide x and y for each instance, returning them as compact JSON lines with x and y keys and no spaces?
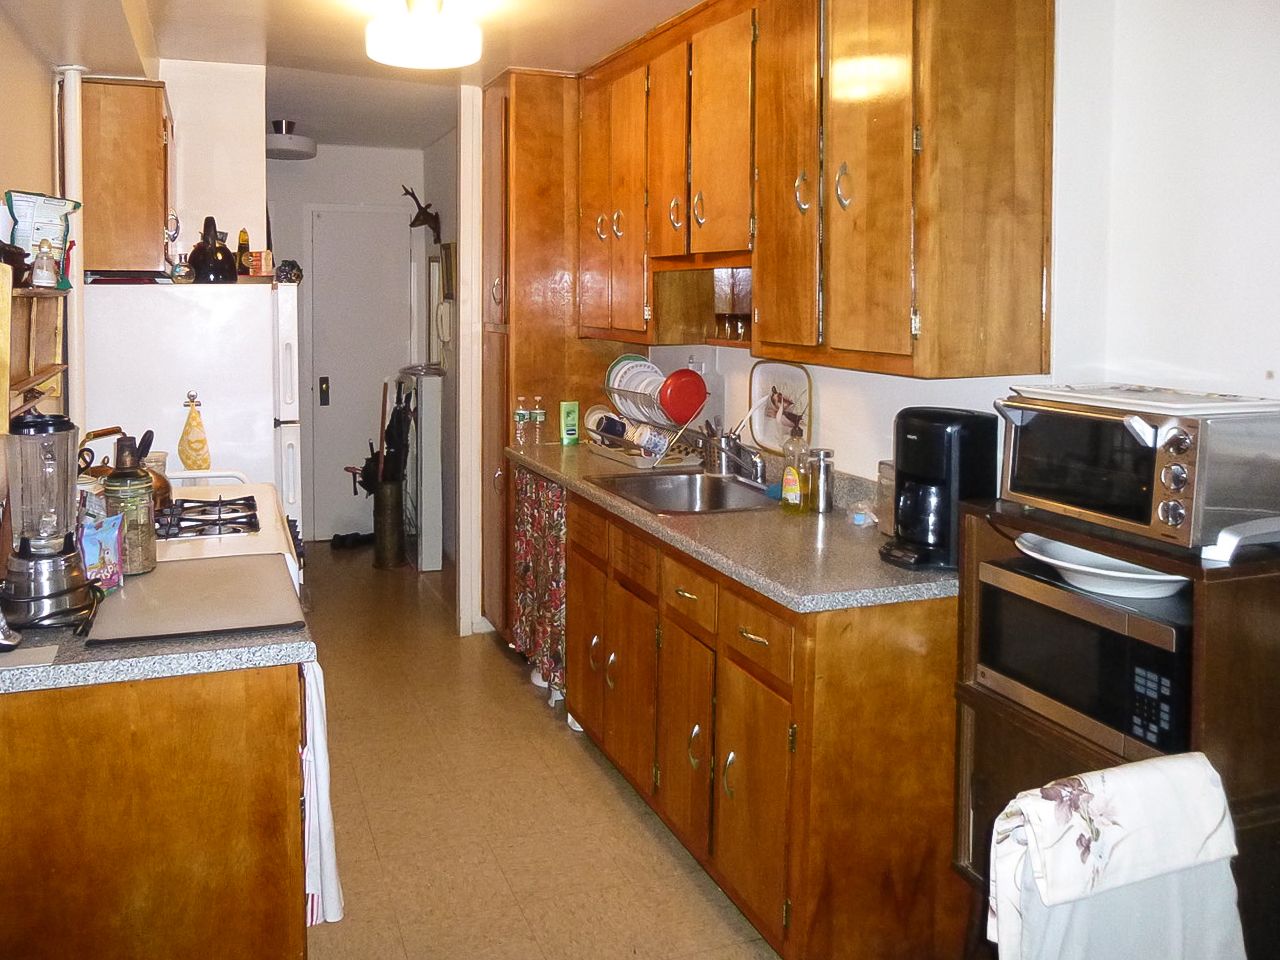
{"x":361,"y":323}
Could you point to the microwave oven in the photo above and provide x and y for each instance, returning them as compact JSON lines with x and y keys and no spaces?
{"x":1115,"y":671}
{"x":1174,"y":467}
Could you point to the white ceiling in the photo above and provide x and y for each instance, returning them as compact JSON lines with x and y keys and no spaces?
{"x":314,"y":51}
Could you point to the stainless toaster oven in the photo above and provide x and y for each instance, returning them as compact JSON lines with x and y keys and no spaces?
{"x":1171,"y":466}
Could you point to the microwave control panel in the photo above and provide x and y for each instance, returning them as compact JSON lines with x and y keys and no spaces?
{"x":1153,"y":719}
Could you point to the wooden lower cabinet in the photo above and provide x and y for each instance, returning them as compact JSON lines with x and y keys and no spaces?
{"x":630,"y":679}
{"x":805,"y":760}
{"x":154,"y":818}
{"x":686,"y":690}
{"x":584,"y":640}
{"x":751,"y":793}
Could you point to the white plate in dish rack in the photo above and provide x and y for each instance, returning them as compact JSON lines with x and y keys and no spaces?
{"x":1098,"y":573}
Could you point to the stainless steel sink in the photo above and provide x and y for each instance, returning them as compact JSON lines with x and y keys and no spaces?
{"x":685,"y":492}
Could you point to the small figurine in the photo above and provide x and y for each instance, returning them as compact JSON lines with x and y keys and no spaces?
{"x":288,"y":271}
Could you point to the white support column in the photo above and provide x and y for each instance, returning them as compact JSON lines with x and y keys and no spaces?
{"x":71,"y":185}
{"x":470,"y":358}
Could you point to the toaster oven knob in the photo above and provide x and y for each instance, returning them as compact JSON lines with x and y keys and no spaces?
{"x":1178,"y":442}
{"x":1174,"y":476}
{"x":1172,"y":513}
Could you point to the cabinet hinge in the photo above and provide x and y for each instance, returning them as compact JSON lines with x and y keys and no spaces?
{"x":917,"y":140}
{"x":755,"y":29}
{"x":791,"y":738}
{"x":786,"y":914}
{"x":915,"y":323}
{"x":646,"y":197}
{"x":648,"y":314}
{"x":657,"y":776}
{"x":657,"y":635}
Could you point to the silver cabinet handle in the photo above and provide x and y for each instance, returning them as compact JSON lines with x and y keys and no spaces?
{"x":754,"y":638}
{"x":801,"y":205}
{"x":693,"y":735}
{"x":591,"y":652}
{"x":495,"y":290}
{"x":681,"y":592}
{"x":497,"y":480}
{"x":698,"y":218}
{"x":673,"y":214}
{"x":724,"y":777}
{"x":617,"y":224}
{"x":613,"y":658}
{"x":600,"y":227}
{"x":841,"y":199}
{"x":171,"y":232}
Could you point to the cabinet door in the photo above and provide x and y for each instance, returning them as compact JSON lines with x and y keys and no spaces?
{"x":720,"y":136}
{"x":785,"y":276}
{"x":630,"y":673}
{"x":594,"y":208}
{"x":493,"y":490}
{"x":669,"y":153}
{"x":584,"y":641}
{"x":125,"y":175}
{"x":686,"y":682}
{"x":627,"y":219}
{"x":752,"y":753}
{"x":494,"y":206}
{"x":867,"y":162}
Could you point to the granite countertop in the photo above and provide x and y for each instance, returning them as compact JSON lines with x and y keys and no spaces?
{"x":808,"y":563}
{"x":77,"y":665}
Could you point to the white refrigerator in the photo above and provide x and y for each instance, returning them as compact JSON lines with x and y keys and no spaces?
{"x":235,"y":345}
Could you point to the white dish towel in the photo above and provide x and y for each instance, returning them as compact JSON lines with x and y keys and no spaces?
{"x":324,"y":891}
{"x":1127,"y":863}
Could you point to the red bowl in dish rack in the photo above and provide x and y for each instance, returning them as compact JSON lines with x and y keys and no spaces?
{"x":682,"y":395}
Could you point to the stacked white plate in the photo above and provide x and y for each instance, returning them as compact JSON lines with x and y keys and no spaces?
{"x":1098,"y":573}
{"x":636,"y":374}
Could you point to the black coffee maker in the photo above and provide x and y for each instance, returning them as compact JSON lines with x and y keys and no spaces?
{"x":941,"y":456}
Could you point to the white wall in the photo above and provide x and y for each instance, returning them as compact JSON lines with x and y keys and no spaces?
{"x":440,"y":188}
{"x":1194,"y":278}
{"x":358,"y":176}
{"x":1166,"y":219}
{"x":219,"y":114}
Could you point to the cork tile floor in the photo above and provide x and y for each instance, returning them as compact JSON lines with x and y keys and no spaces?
{"x":472,"y":823}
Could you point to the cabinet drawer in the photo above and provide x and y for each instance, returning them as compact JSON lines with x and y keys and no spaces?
{"x":633,"y":558}
{"x":588,"y":529}
{"x":759,"y":636}
{"x":689,"y":593}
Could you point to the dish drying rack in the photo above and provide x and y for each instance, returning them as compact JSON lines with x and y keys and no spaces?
{"x":653,"y":416}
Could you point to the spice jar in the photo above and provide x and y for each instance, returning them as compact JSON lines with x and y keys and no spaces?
{"x":127,"y":491}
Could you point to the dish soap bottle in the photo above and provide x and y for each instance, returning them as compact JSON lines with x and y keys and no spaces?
{"x":795,"y":475}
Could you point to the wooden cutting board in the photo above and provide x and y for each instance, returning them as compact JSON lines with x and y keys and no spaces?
{"x":184,"y":597}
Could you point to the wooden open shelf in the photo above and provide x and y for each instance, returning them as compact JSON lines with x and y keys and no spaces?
{"x":32,"y":352}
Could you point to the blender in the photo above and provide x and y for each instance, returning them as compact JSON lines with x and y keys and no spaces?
{"x":45,"y":583}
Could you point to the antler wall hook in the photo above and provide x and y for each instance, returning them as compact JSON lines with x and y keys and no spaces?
{"x":424,"y":217}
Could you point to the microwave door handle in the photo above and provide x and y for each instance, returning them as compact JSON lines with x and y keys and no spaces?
{"x":1016,"y":413}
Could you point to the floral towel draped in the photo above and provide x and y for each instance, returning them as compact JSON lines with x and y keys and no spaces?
{"x":537,"y":627}
{"x":1100,"y":831}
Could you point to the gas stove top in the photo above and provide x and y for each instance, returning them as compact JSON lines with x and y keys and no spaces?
{"x":223,"y":517}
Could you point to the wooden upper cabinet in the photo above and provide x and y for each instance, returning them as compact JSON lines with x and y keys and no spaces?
{"x":868,"y":137}
{"x":594,"y":208}
{"x":627,"y":220}
{"x":785,"y":263}
{"x":669,"y":153}
{"x":720,"y":163}
{"x":494,"y":205}
{"x":126,"y":129}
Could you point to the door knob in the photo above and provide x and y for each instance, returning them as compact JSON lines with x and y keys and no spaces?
{"x":324,"y":391}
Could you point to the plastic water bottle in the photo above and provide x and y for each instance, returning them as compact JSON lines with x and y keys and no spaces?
{"x":538,"y":419}
{"x":521,"y":418}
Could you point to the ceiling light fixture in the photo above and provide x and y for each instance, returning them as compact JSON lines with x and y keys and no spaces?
{"x":423,"y":35}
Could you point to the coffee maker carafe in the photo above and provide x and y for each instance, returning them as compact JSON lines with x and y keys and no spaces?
{"x":45,"y":583}
{"x":941,"y":456}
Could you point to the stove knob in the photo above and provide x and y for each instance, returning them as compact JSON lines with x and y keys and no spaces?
{"x":1172,"y":512}
{"x":1178,"y":442}
{"x":1174,"y":476}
